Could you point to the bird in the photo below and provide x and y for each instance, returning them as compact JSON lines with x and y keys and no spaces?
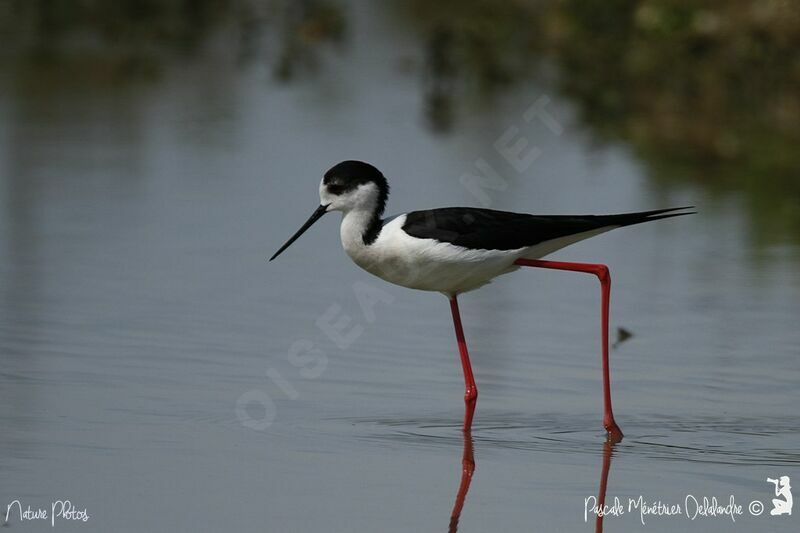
{"x":454,"y":250}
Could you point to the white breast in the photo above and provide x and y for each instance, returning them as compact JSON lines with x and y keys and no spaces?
{"x":425,"y":264}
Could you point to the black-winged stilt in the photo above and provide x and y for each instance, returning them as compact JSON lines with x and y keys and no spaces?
{"x":458,"y":249}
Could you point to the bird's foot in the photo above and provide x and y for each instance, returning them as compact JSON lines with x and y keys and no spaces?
{"x":614,"y":432}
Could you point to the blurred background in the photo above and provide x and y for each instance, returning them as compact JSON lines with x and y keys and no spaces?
{"x":702,"y":92}
{"x":154,"y":153}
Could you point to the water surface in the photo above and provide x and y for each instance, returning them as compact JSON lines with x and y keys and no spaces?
{"x":138,"y":310}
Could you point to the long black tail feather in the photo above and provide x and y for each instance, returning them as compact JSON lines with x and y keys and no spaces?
{"x":628,"y":219}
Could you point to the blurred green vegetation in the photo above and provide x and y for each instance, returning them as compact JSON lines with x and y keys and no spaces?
{"x":124,"y":40}
{"x":705,"y":91}
{"x":472,"y":50}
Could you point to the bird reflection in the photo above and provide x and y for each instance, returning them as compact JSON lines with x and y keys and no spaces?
{"x":468,"y":469}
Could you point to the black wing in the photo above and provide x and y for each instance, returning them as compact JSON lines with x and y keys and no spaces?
{"x":487,"y":229}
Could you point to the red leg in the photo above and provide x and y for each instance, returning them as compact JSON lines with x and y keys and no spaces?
{"x":601,"y":271}
{"x":471,"y":393}
{"x":467,"y":469}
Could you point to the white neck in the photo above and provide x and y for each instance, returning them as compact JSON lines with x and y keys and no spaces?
{"x":354,"y":224}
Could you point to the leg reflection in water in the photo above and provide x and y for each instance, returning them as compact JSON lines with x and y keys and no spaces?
{"x":608,"y":451}
{"x":468,"y":469}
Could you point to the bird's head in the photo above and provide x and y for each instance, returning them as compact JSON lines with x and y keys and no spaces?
{"x":347,"y":186}
{"x":353,"y":185}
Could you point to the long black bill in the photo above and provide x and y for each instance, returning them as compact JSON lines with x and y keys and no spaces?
{"x":314,"y":217}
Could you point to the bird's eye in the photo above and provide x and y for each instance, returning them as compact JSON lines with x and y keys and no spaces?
{"x":335,"y":189}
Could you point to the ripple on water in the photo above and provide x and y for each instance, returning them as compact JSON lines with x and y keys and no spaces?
{"x":701,"y":439}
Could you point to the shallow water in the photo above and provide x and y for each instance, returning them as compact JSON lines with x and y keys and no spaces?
{"x":137,"y":311}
